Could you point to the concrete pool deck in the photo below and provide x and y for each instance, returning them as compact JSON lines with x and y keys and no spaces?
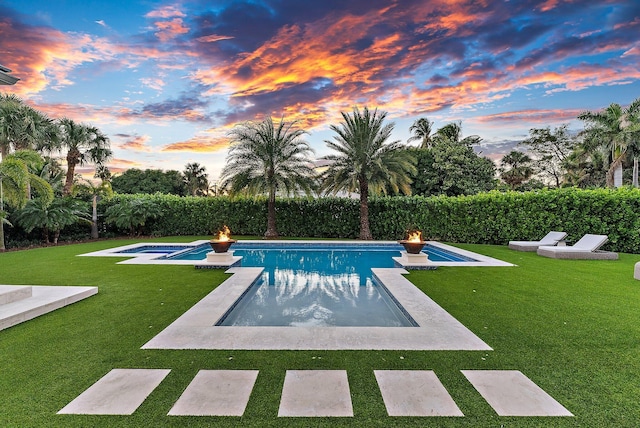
{"x":437,"y":330}
{"x":153,"y":259}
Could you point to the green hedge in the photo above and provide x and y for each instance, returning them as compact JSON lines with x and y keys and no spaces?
{"x":489,"y":218}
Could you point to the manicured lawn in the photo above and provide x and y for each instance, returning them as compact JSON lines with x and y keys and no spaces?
{"x":573,"y":327}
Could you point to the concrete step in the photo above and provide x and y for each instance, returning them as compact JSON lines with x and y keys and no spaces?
{"x":13,"y":293}
{"x":43,"y":299}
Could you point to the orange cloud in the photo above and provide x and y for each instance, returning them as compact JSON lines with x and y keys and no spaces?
{"x":136,"y":143}
{"x":213,"y":38}
{"x":168,"y":30}
{"x":198,"y":144}
{"x":166,"y":12}
{"x":531,"y":116}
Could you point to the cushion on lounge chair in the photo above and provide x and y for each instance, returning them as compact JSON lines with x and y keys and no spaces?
{"x":585,"y":248}
{"x":550,"y":238}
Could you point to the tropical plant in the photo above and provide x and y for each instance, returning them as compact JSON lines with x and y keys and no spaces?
{"x":612,"y":130}
{"x":453,"y":132}
{"x":15,"y":184}
{"x":84,"y":143}
{"x":23,"y":127}
{"x":421,"y":130}
{"x":585,"y":168}
{"x":452,"y":169}
{"x":132,"y":214}
{"x":515,"y":168}
{"x":51,"y":217}
{"x":366,"y":162}
{"x":551,"y":150}
{"x":196,"y":179}
{"x":95,"y":192}
{"x":267,"y":159}
{"x":149,"y":181}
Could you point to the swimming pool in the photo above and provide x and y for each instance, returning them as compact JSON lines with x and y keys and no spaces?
{"x":316,"y":286}
{"x":251,"y":257}
{"x":199,"y":328}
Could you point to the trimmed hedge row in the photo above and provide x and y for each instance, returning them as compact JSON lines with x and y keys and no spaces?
{"x":490,"y":218}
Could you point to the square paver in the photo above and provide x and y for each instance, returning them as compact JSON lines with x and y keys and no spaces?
{"x":216,"y":393}
{"x":415,"y":393}
{"x":119,"y":392}
{"x":315,"y":393}
{"x":511,"y":393}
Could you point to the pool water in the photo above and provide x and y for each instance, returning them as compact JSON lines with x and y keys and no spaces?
{"x":436,"y":254}
{"x":312,"y":287}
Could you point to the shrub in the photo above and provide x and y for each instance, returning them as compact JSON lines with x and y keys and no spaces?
{"x":487,"y":218}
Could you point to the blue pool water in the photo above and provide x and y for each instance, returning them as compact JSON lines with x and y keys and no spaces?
{"x":199,"y":252}
{"x":317,"y":287}
{"x":316,"y":284}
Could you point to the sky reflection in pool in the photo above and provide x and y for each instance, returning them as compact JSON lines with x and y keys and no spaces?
{"x":312,"y":287}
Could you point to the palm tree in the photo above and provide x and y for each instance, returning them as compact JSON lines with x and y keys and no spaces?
{"x":265,"y":158}
{"x":96,"y":192}
{"x":22,"y":127}
{"x":452,"y":132}
{"x":421,"y":130}
{"x":366,"y":162}
{"x":196,"y":179}
{"x":15,"y":180}
{"x":519,"y":168}
{"x":84,"y":144}
{"x":51,"y":217}
{"x":611,"y":130}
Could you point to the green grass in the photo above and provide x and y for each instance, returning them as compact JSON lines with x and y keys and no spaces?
{"x":573,"y":327}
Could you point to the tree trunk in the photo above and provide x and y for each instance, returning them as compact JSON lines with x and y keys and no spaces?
{"x":94,"y":218}
{"x":612,"y":171}
{"x":365,"y":232}
{"x":72,"y":161}
{"x":635,"y":172}
{"x":2,"y":247}
{"x":272,"y":231}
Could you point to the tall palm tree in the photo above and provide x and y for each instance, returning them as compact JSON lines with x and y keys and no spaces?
{"x":196,"y":179}
{"x":84,"y":144}
{"x":265,"y":158}
{"x":15,"y":181}
{"x":421,"y":130}
{"x":610,"y":131}
{"x":366,"y":162}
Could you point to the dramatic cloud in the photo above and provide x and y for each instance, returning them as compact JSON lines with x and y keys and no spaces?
{"x":530,"y":116}
{"x":198,"y":65}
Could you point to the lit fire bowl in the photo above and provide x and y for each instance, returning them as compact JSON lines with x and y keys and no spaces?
{"x":221,"y":246}
{"x":413,"y":247}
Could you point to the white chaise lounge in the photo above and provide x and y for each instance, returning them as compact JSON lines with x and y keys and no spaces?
{"x":550,"y":239}
{"x":585,"y":248}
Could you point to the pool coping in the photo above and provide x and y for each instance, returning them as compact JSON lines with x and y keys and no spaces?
{"x":153,"y":258}
{"x":437,"y":330}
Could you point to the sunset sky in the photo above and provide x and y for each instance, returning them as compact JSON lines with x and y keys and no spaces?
{"x":166,"y":81}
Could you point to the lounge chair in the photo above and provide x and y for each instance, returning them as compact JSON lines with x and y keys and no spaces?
{"x":550,"y":239}
{"x":585,"y":248}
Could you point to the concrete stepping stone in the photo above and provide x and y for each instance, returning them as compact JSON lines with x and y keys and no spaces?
{"x":216,"y":393}
{"x":119,"y":392}
{"x":511,"y":393}
{"x":415,"y":393}
{"x":315,"y":393}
